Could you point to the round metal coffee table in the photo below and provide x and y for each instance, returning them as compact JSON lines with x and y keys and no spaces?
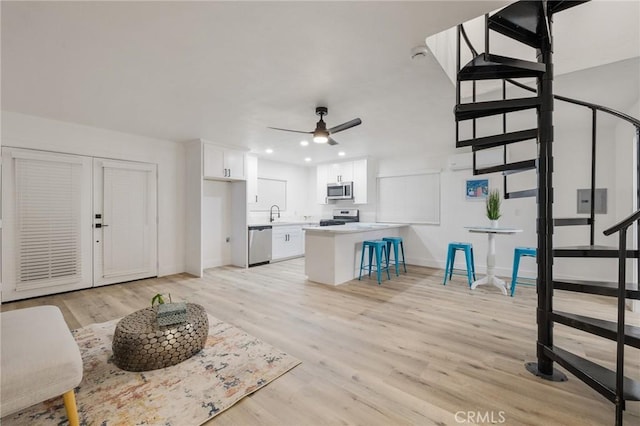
{"x":140,"y":344}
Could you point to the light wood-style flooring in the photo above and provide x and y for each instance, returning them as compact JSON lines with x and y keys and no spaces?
{"x":408,"y":352}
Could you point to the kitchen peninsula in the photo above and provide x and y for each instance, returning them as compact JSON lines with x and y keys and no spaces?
{"x":332,"y":253}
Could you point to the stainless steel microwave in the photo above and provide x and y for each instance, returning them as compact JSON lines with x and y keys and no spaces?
{"x":340,"y":191}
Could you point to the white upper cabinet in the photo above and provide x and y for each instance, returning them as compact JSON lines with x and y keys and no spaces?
{"x":223,"y":163}
{"x":252,"y":179}
{"x":322,"y":175}
{"x":235,"y":162}
{"x":340,"y":172}
{"x":356,"y":171}
{"x":360,"y":181}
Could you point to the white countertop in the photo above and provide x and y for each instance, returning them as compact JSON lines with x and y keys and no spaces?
{"x":350,"y":228}
{"x":492,"y":230}
{"x":289,"y":223}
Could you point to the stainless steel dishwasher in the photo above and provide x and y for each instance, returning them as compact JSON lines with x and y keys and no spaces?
{"x":259,"y":244}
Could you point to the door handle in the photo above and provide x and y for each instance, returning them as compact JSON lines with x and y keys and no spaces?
{"x":99,"y":225}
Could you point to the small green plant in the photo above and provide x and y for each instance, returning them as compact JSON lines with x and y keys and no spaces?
{"x":493,"y":205}
{"x":160,"y":299}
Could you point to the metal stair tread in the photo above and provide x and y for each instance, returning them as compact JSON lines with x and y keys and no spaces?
{"x":484,"y":109}
{"x":602,"y":288}
{"x":559,"y":6}
{"x":571,"y":221}
{"x":501,"y":139}
{"x":591,"y":251}
{"x":487,"y":66}
{"x":599,"y":327}
{"x":598,"y":377}
{"x":509,"y":168}
{"x":521,"y":194}
{"x":520,"y":21}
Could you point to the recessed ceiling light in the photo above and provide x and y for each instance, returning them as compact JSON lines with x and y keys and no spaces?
{"x":304,"y":143}
{"x":341,"y":153}
{"x":307,"y":159}
{"x":268,"y":151}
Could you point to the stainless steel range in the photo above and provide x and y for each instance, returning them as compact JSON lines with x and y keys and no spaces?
{"x":342,"y":216}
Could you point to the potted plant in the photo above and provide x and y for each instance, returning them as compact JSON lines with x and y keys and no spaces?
{"x":493,"y":207}
{"x":159,"y":297}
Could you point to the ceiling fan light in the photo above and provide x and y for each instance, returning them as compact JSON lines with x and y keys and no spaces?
{"x":320,"y":136}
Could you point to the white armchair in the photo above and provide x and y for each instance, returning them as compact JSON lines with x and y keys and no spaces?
{"x":40,"y":360}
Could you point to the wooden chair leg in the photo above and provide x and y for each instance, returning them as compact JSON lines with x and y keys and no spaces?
{"x":71,"y":408}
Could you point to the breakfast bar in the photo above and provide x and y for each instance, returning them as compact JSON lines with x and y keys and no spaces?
{"x":332,"y":253}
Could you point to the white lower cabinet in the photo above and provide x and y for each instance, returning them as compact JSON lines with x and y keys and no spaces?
{"x":287,"y":242}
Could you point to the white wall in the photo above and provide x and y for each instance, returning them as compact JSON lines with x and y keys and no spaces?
{"x":297,"y":178}
{"x":216,"y":223}
{"x":25,"y":131}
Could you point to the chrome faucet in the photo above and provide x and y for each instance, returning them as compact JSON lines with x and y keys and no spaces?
{"x":271,"y":212}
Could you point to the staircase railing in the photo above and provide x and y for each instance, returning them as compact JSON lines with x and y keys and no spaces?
{"x":621,"y":227}
{"x":523,"y":21}
{"x":594,"y":110}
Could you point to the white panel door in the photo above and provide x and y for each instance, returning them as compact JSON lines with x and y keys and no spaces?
{"x":125,"y":221}
{"x":46,"y":235}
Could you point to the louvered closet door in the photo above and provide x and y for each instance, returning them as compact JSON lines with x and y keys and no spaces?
{"x":125,"y":221}
{"x":46,"y":209}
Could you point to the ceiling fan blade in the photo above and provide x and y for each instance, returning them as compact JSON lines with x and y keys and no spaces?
{"x":332,"y":141}
{"x":289,"y":130}
{"x":345,"y":126}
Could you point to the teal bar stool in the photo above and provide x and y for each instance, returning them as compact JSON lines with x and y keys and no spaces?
{"x":379,"y":248}
{"x":517,"y":254}
{"x":397,"y":244}
{"x":467,"y":249}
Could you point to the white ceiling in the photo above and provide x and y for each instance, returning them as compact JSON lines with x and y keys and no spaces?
{"x":224,"y":71}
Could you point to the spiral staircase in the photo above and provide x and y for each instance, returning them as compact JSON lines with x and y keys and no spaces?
{"x":530,"y":23}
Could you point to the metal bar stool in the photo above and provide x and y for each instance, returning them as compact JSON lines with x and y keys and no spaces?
{"x":467,"y":248}
{"x":517,"y":254}
{"x":379,"y":248}
{"x":396,"y":241}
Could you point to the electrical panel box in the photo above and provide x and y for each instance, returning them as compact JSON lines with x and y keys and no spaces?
{"x":584,"y":201}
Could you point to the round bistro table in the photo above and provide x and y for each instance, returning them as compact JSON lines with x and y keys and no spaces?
{"x":491,"y":255}
{"x":140,"y":344}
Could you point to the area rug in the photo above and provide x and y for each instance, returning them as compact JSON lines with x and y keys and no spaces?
{"x":232,"y":365}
